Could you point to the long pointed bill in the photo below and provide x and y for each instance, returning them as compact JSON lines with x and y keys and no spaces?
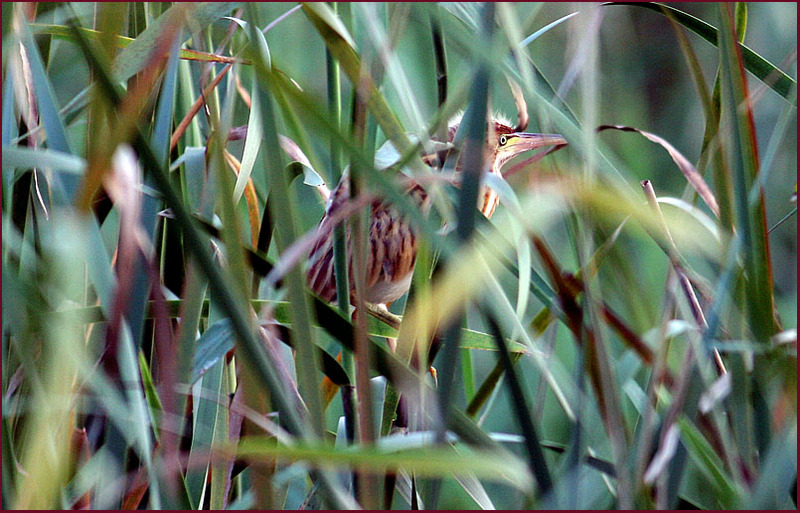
{"x":520,"y":142}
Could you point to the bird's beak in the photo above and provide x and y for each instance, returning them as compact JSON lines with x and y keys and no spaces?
{"x":520,"y":142}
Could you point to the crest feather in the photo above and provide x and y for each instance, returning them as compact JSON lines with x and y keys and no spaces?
{"x":497,"y":118}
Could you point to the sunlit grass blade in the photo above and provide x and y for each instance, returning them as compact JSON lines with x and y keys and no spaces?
{"x":427,"y":461}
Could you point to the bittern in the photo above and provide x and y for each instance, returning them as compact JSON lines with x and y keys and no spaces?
{"x":392,"y":246}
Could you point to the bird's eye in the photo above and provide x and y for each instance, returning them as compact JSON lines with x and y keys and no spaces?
{"x":503,"y":140}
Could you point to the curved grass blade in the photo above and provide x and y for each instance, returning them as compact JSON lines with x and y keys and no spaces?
{"x":428,"y":461}
{"x":694,"y":178}
{"x":63,"y":188}
{"x":711,"y":144}
{"x":63,"y":33}
{"x":45,"y":96}
{"x":136,"y":54}
{"x":765,"y":71}
{"x":533,"y":37}
{"x":706,"y":458}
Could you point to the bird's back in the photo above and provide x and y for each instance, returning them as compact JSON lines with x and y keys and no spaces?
{"x":391,"y":252}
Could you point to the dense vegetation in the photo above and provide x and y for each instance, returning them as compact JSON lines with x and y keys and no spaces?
{"x":621,"y":334}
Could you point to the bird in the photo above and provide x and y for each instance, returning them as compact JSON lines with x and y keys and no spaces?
{"x":393,"y":243}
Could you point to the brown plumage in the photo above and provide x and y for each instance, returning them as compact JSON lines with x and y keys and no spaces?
{"x":392,"y":247}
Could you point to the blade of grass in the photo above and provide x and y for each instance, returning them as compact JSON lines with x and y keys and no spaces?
{"x":776,"y":487}
{"x":63,"y":32}
{"x":474,"y":127}
{"x":307,"y":362}
{"x":342,"y":48}
{"x":53,"y":398}
{"x":135,"y":55}
{"x":427,"y":461}
{"x":711,"y":145}
{"x":706,"y":458}
{"x":765,"y":71}
{"x":252,"y":144}
{"x":282,"y":212}
{"x":340,"y":256}
{"x":206,"y":404}
{"x":692,"y":175}
{"x":219,"y":467}
{"x":340,"y":267}
{"x":536,"y":461}
{"x":63,"y":187}
{"x":743,"y":159}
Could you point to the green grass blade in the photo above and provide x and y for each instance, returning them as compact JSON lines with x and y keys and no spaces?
{"x":776,"y":487}
{"x":474,"y":127}
{"x":341,"y":47}
{"x":765,"y":71}
{"x":22,"y":156}
{"x":307,"y":361}
{"x":742,"y":157}
{"x":428,"y":461}
{"x":206,"y":406}
{"x":45,"y":95}
{"x":536,"y":460}
{"x":64,"y":187}
{"x":706,"y":458}
{"x":135,"y":55}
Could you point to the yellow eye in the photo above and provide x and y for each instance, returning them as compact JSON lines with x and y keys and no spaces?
{"x":503,"y":140}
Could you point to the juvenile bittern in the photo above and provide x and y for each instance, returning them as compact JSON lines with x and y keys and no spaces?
{"x":392,"y":241}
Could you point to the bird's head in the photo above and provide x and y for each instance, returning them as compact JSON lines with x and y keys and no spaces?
{"x":505,"y":140}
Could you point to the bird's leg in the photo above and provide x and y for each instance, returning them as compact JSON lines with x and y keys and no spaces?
{"x":390,"y":341}
{"x":381,"y":312}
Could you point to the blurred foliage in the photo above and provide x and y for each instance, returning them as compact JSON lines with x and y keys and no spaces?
{"x":621,"y":334}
